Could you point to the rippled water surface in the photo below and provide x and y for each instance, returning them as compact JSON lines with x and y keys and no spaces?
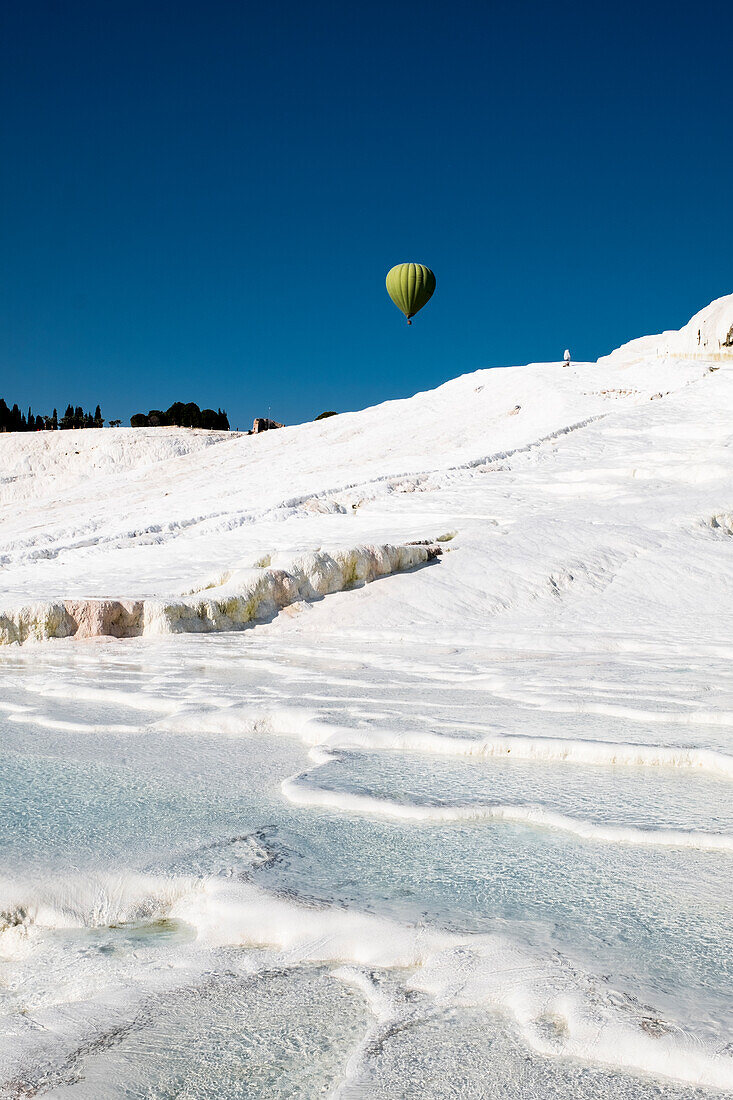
{"x":224,"y":873}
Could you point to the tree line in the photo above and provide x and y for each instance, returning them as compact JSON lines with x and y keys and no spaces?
{"x":181,"y":415}
{"x":13,"y":420}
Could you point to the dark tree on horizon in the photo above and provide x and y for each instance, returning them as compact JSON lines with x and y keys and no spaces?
{"x":182,"y":415}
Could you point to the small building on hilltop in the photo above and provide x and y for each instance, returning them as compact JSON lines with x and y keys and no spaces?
{"x":263,"y":424}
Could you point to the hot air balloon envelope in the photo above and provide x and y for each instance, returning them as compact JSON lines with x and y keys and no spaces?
{"x":410,"y":286}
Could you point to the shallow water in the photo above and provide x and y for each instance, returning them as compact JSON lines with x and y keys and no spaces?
{"x":175,"y":924}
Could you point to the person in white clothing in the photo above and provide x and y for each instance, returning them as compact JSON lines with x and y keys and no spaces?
{"x":566,"y":357}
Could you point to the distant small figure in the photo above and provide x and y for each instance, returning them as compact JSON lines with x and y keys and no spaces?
{"x":566,"y":357}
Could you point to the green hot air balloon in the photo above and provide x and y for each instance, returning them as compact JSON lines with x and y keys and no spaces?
{"x":410,"y":286}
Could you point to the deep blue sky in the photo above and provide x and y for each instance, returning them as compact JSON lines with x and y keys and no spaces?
{"x":200,"y":201}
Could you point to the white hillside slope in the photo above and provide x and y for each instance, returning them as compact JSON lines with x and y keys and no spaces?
{"x":544,"y":470}
{"x":408,"y":770}
{"x":708,"y":335}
